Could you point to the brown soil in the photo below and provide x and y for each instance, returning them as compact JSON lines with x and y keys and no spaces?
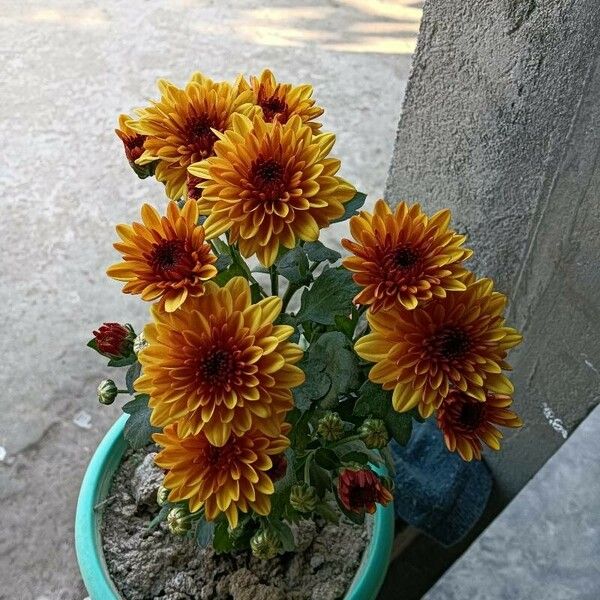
{"x":158,"y":565}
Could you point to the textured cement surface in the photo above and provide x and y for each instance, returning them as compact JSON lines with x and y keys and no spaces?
{"x":546,"y":542}
{"x":68,"y":68}
{"x":501,"y":124}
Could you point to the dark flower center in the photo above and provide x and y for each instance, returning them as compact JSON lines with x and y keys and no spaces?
{"x":268,"y":171}
{"x":217,"y":368}
{"x":168,"y":254}
{"x":361,"y":497}
{"x":267,"y":177}
{"x":451,"y":342}
{"x":273,"y":107}
{"x":405,"y":257}
{"x":221,"y":457}
{"x":472,"y":415}
{"x":199,"y":136}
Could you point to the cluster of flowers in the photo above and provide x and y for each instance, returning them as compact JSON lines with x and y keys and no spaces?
{"x":259,"y":418}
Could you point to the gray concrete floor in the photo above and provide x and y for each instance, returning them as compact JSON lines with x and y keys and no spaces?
{"x":546,"y":543}
{"x":69,"y":68}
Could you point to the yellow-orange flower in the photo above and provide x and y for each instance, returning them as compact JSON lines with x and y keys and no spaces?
{"x":164,"y":258}
{"x":180,"y":127}
{"x":133,"y":142}
{"x":404,"y":256}
{"x":283,"y":100}
{"x":466,"y":422}
{"x":219,"y":365}
{"x":460,"y":340}
{"x":229,"y":479}
{"x":270,"y":184}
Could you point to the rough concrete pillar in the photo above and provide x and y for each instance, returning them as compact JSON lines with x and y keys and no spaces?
{"x":501,"y":123}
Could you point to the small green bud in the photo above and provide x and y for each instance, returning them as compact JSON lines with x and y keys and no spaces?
{"x":374,"y":433}
{"x":139,"y":343}
{"x":107,"y":391}
{"x":265,"y":544}
{"x":330,"y":427}
{"x":178,"y":522}
{"x":303,"y":498}
{"x":162,"y":495}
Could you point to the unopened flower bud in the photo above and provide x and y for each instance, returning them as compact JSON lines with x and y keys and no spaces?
{"x":178,"y":522}
{"x":139,"y":343}
{"x":107,"y":391}
{"x":374,"y":433}
{"x":114,"y":340}
{"x":265,"y":544}
{"x":304,"y":498}
{"x":162,"y":495}
{"x":330,"y":427}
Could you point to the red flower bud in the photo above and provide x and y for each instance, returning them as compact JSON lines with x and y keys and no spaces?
{"x":360,"y":490}
{"x":114,"y":340}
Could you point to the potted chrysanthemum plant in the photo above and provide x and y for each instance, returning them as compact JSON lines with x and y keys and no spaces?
{"x":273,"y":374}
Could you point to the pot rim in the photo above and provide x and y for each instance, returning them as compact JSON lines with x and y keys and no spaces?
{"x":365,"y":585}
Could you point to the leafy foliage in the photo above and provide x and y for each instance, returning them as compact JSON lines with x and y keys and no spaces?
{"x":331,"y":294}
{"x":138,"y":430}
{"x":352,"y":206}
{"x":376,"y":402}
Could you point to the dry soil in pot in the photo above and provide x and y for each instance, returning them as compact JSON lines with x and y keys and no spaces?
{"x":158,"y":565}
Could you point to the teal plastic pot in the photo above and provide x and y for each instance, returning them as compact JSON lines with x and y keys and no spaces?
{"x":95,"y":488}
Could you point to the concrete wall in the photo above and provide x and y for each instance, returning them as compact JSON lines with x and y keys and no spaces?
{"x":501,"y":123}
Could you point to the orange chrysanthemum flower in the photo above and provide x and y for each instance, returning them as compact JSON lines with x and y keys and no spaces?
{"x":219,"y":365}
{"x":283,"y":100}
{"x":404,"y":256}
{"x":226,"y":479}
{"x":270,"y":184}
{"x":180,"y":127}
{"x":466,"y":422}
{"x":164,"y":258}
{"x":133,"y":142}
{"x":460,"y":340}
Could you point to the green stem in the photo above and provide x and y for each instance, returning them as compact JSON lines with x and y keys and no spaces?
{"x":289,"y":293}
{"x":274,"y":280}
{"x":236,"y":257}
{"x":122,"y":391}
{"x":307,"y":466}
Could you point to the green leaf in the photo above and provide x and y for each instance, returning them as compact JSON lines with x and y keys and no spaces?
{"x":318,"y":252}
{"x":320,"y":479}
{"x":255,"y":292}
{"x":205,"y":531}
{"x":222,"y":541}
{"x":331,"y":294}
{"x":284,"y":533}
{"x":293,"y":265}
{"x":355,"y":457}
{"x":223,"y":261}
{"x":345,"y":325}
{"x":332,"y":356}
{"x":93,"y":344}
{"x":232,"y":271}
{"x":327,"y":458}
{"x":123,"y":362}
{"x":351,"y":207}
{"x":138,"y":430}
{"x":328,"y":512}
{"x":160,"y":517}
{"x":132,"y":374}
{"x":376,"y":402}
{"x":280,"y":497}
{"x":316,"y":385}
